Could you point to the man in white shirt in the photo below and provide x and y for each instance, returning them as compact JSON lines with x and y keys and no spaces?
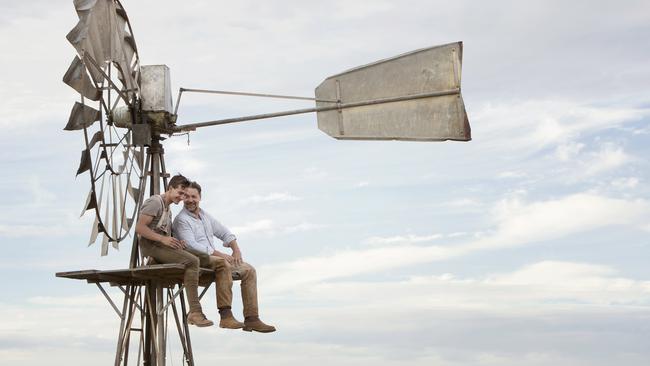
{"x":197,"y":229}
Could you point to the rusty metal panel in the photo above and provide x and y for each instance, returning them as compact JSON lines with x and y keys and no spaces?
{"x":141,"y":136}
{"x":432,"y":110}
{"x":156,"y":89}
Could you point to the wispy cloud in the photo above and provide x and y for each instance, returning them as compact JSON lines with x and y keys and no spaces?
{"x":516,"y":223}
{"x":271,"y":228}
{"x":609,"y":157}
{"x":272,"y":198}
{"x":401,"y":239}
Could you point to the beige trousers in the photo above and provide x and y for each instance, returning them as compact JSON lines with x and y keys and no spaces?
{"x":225,"y":273}
{"x":164,"y":254}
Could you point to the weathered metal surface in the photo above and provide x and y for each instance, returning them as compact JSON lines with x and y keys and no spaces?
{"x":155,"y":89}
{"x":167,"y":273}
{"x":81,"y":116}
{"x":434,"y":71}
{"x":84,"y":162}
{"x":141,"y":136}
{"x":77,"y":78}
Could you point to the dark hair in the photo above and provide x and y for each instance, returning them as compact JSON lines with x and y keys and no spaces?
{"x":178,"y":180}
{"x":195,"y":186}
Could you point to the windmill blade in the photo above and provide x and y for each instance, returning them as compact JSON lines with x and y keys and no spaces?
{"x":123,"y":225}
{"x":138,"y":159}
{"x":85,"y":162}
{"x":103,"y":229}
{"x":94,"y":232}
{"x":133,"y":192}
{"x":81,"y":116}
{"x":97,"y":137}
{"x":104,"y":246}
{"x":95,"y":33}
{"x":114,"y":232}
{"x":78,"y":37}
{"x":91,"y":203}
{"x":415,"y":96}
{"x":84,"y":5}
{"x":77,"y":78}
{"x":129,"y":49}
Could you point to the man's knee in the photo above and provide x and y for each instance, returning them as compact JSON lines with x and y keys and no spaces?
{"x":190,"y":261}
{"x":246,"y":271}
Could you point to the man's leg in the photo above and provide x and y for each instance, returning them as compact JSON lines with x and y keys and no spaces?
{"x":223,"y":278}
{"x":248,"y":277}
{"x":163,"y":254}
{"x":223,"y":283}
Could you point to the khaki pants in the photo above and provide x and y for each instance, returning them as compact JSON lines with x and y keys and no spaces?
{"x":164,"y":254}
{"x":225,"y":273}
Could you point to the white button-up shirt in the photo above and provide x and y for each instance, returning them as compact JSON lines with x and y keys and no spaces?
{"x":198,"y":233}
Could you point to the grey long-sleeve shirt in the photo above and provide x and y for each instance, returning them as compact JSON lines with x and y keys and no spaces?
{"x":198,"y":233}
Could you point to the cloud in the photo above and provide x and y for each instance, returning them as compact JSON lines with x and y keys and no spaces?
{"x":537,"y":124}
{"x":608,"y":158}
{"x":302,"y":227}
{"x":264,"y":225}
{"x":625,"y":183}
{"x":273,"y":197}
{"x":511,"y":174}
{"x":516,"y":223}
{"x":407,"y":239}
{"x":519,"y":222}
{"x":271,"y":228}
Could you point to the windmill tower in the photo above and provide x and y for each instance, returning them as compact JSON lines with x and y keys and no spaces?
{"x":125,"y":110}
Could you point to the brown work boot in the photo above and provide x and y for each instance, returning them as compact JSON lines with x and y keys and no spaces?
{"x":198,"y":319}
{"x":228,"y":320}
{"x":253,"y":323}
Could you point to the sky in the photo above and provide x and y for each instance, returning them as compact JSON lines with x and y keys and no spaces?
{"x":526,"y":246}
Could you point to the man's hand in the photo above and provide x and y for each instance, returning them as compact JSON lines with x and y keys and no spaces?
{"x":170,"y":241}
{"x":236,"y":257}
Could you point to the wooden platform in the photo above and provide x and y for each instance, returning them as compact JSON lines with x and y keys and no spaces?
{"x":167,"y":274}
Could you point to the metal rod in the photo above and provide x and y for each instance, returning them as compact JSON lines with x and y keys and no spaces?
{"x":109,"y":300}
{"x":194,"y":126}
{"x":169,"y":301}
{"x":99,"y":69}
{"x":247,"y":94}
{"x":190,"y":360}
{"x":179,"y":326}
{"x":205,"y":289}
{"x":121,"y":334}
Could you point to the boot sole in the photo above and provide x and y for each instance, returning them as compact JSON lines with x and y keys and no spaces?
{"x":201,"y":325}
{"x":245,"y":329}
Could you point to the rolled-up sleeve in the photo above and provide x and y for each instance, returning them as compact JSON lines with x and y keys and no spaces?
{"x":183,"y":231}
{"x":221,"y":232}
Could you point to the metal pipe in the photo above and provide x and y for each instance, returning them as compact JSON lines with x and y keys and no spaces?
{"x":247,"y":94}
{"x":194,"y":126}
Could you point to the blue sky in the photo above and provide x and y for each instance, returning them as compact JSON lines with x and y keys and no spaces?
{"x":525,"y":246}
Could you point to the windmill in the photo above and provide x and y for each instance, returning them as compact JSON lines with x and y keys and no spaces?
{"x":125,"y":110}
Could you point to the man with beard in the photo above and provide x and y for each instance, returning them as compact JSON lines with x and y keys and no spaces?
{"x":155,"y":239}
{"x":197,"y":229}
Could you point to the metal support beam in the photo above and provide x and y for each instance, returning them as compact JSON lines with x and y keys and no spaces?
{"x":194,"y":126}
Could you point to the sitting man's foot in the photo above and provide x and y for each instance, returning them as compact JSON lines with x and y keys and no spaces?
{"x":228,"y":320}
{"x":198,"y":319}
{"x":253,"y":323}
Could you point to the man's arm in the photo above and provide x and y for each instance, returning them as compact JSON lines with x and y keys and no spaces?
{"x":142,"y":229}
{"x":229,"y":240}
{"x":183,"y":231}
